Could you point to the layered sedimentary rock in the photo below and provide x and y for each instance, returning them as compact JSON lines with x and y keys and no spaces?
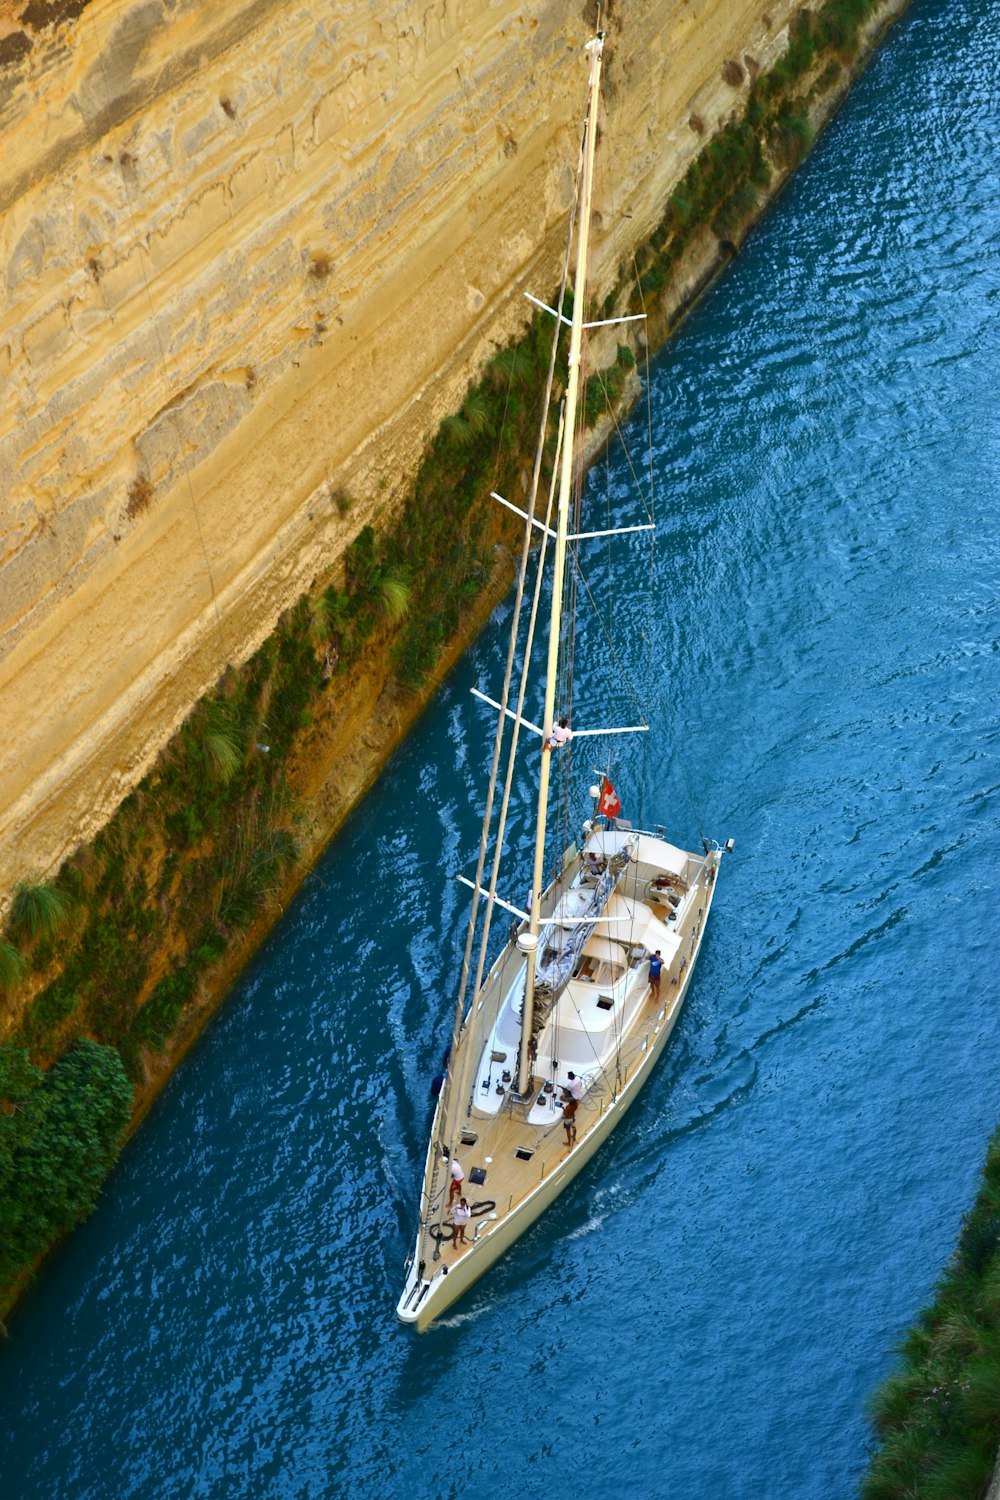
{"x":252,"y":252}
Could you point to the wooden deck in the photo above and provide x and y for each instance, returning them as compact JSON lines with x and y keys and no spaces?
{"x":510,"y":1180}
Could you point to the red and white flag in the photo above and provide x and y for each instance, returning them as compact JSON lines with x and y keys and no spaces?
{"x":609,"y":803}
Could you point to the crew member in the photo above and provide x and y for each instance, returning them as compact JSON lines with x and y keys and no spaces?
{"x":460,"y":1215}
{"x":561,"y":734}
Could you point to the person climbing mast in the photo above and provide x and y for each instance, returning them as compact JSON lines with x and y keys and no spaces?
{"x":560,"y":736}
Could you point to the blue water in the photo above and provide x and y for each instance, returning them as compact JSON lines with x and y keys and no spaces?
{"x":708,"y":1307}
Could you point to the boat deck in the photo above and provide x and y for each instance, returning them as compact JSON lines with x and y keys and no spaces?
{"x":516,"y":1157}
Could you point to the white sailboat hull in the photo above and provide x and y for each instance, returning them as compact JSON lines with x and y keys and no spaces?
{"x":426,"y":1296}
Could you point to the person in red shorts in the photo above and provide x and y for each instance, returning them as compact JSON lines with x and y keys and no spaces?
{"x":570,"y":1107}
{"x":457,"y":1178}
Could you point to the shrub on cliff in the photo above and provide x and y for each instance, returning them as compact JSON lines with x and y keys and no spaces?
{"x":59,"y":1138}
{"x":12,"y":965}
{"x":938,"y":1416}
{"x":38,"y":910}
{"x":839,"y":22}
{"x":790,"y":134}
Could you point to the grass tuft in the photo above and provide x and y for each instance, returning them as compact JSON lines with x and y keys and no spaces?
{"x":396,"y":599}
{"x":38,"y":910}
{"x":12,"y":966}
{"x":222,"y":750}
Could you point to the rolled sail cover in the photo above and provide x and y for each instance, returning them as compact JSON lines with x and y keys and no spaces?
{"x":552,"y":978}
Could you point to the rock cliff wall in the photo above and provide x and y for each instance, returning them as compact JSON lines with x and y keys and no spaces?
{"x":252,"y":252}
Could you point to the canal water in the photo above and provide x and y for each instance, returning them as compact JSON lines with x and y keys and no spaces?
{"x":706,"y":1310}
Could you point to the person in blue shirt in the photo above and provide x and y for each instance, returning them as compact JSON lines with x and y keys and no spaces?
{"x":655,"y":970}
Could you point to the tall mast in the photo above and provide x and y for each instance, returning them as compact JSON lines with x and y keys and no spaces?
{"x":528,"y":941}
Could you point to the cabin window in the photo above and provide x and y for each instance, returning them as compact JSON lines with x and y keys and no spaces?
{"x":469,"y":1138}
{"x":523,"y":1153}
{"x":605,"y":1002}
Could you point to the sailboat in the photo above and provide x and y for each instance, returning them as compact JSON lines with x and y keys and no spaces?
{"x":565,"y":1026}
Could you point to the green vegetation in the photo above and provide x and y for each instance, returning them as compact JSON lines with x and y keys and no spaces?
{"x":37,"y":911}
{"x":424,"y":570}
{"x":722,"y":186}
{"x":938,"y":1417}
{"x":12,"y":966}
{"x":198,"y":847}
{"x":60,"y":1133}
{"x":111,"y":953}
{"x":604,"y":388}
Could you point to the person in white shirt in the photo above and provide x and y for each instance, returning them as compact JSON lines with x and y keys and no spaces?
{"x":574,"y":1088}
{"x":460,"y":1216}
{"x":561,"y":734}
{"x":457,"y":1178}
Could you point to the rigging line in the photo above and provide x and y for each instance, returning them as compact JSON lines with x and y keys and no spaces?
{"x":503,"y":419}
{"x":618,"y":221}
{"x":623,"y":675}
{"x":539,"y":455}
{"x":620,"y":435}
{"x":693,"y":795}
{"x":610,"y":594}
{"x":446,"y":1129}
{"x":570,"y":591}
{"x":515,"y":620}
{"x":461,"y":1084}
{"x":651,"y":512}
{"x":601,"y":1068}
{"x":568,"y":674}
{"x":567,"y":469}
{"x":533,"y":615}
{"x":567,"y":670}
{"x":650,"y":632}
{"x":583,"y":176}
{"x":501,"y":825}
{"x":620,"y":1019}
{"x":522,"y":690}
{"x":171,"y":416}
{"x":562,"y":831}
{"x":649,"y":405}
{"x":462,"y":1065}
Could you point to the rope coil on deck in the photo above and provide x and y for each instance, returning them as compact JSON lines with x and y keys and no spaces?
{"x":445,"y":1233}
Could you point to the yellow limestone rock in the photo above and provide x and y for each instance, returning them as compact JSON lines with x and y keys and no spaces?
{"x":252,"y":252}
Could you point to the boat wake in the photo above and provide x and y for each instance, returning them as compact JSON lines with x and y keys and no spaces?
{"x":594,"y":1223}
{"x":455,"y":1320}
